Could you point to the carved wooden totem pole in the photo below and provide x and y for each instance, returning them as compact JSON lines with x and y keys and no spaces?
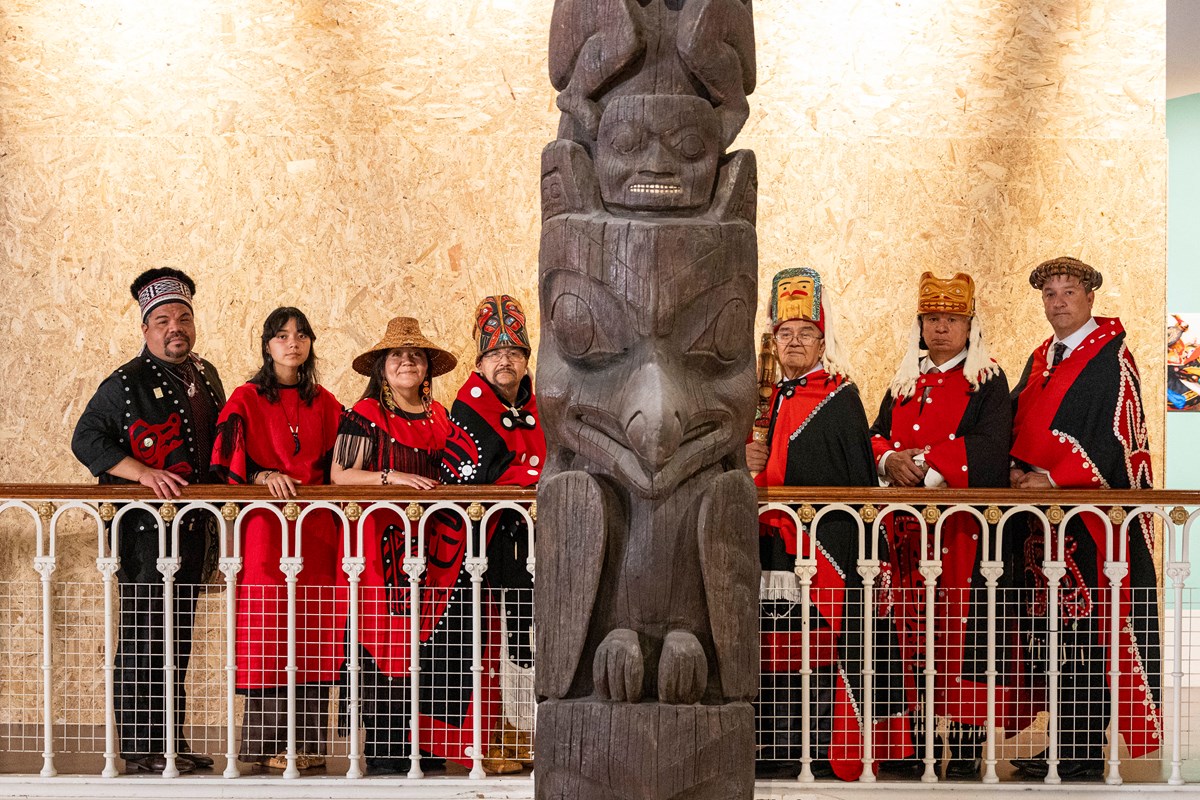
{"x":647,"y":580}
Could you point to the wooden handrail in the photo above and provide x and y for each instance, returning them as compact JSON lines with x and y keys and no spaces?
{"x":778,"y":494}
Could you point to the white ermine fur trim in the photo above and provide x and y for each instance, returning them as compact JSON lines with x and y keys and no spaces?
{"x":836,"y":362}
{"x":978,"y":367}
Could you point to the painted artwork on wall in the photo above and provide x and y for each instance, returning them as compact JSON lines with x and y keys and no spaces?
{"x":1183,"y":362}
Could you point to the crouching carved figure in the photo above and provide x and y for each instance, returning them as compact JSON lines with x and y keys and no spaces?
{"x":647,"y":582}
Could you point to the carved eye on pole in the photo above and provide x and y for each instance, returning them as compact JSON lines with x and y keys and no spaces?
{"x":690,"y":146}
{"x":626,"y":139}
{"x":723,"y":339}
{"x":588,"y":324}
{"x":574,"y":324}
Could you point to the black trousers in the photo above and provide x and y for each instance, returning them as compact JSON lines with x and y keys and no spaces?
{"x":779,"y":713}
{"x":138,"y":676}
{"x":385,"y":703}
{"x":265,"y":725}
{"x":1083,"y":700}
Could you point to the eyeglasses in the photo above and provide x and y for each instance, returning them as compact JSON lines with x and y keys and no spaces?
{"x":804,"y":337}
{"x":510,"y":353}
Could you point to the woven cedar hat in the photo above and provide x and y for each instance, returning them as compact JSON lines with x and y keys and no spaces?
{"x":406,"y":332}
{"x":955,"y":295}
{"x":1089,"y":276}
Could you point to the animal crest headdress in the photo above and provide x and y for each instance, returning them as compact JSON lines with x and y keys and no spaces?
{"x":955,"y":295}
{"x":500,"y":322}
{"x":799,"y":293}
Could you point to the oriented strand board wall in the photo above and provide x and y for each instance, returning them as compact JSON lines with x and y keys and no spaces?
{"x":362,"y":159}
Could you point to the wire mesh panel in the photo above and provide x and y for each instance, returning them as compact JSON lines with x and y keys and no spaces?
{"x":965,"y":645}
{"x":512,"y":731}
{"x":267,"y":656}
{"x":20,"y":661}
{"x":78,"y":659}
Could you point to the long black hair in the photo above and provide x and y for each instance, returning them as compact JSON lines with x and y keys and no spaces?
{"x":264,"y":379}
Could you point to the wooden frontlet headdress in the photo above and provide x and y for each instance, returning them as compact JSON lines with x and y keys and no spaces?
{"x":955,"y":295}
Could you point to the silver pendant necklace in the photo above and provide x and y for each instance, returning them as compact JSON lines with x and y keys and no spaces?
{"x":189,"y":385}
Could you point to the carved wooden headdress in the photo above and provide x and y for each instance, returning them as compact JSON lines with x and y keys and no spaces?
{"x":500,"y":322}
{"x":955,"y":295}
{"x":796,"y":294}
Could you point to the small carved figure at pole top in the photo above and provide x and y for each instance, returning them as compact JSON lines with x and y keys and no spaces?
{"x":647,"y":536}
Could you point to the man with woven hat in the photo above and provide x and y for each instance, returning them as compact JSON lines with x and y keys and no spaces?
{"x":945,"y":422}
{"x":817,"y":436}
{"x":497,"y":439}
{"x":153,"y":422}
{"x":1079,"y":423}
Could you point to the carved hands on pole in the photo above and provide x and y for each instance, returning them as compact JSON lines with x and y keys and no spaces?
{"x":617,"y":669}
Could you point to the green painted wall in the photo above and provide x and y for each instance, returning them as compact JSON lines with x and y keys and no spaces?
{"x":1183,"y":272}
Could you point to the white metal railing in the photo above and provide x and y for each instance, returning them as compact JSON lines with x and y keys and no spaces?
{"x":52,"y":519}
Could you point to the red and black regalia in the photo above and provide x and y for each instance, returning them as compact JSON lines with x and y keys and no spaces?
{"x":494,"y":442}
{"x":818,"y":437}
{"x":1082,"y":422}
{"x":296,"y":438}
{"x":162,"y":415}
{"x":376,"y":438}
{"x":964,"y":431}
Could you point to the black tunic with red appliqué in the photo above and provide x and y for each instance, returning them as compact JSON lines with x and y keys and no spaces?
{"x":1083,"y":423}
{"x":965,"y":434}
{"x":818,"y":437}
{"x":162,"y":415}
{"x":494,"y":442}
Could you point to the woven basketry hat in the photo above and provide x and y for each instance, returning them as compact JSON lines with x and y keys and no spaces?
{"x":1088,"y":275}
{"x":406,"y":332}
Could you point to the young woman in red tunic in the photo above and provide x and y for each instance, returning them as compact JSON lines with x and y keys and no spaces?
{"x":395,"y":436}
{"x":278,"y":431}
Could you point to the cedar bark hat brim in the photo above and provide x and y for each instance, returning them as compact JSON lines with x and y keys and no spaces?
{"x":406,"y":332}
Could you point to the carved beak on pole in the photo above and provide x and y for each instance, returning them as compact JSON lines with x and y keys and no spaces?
{"x":652,"y":423}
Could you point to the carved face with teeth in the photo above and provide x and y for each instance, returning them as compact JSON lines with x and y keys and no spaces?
{"x":658,"y":152}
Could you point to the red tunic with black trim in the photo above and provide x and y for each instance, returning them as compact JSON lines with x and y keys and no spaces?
{"x":1083,"y":423}
{"x":382,"y":438}
{"x":964,"y":433}
{"x":254,"y":434}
